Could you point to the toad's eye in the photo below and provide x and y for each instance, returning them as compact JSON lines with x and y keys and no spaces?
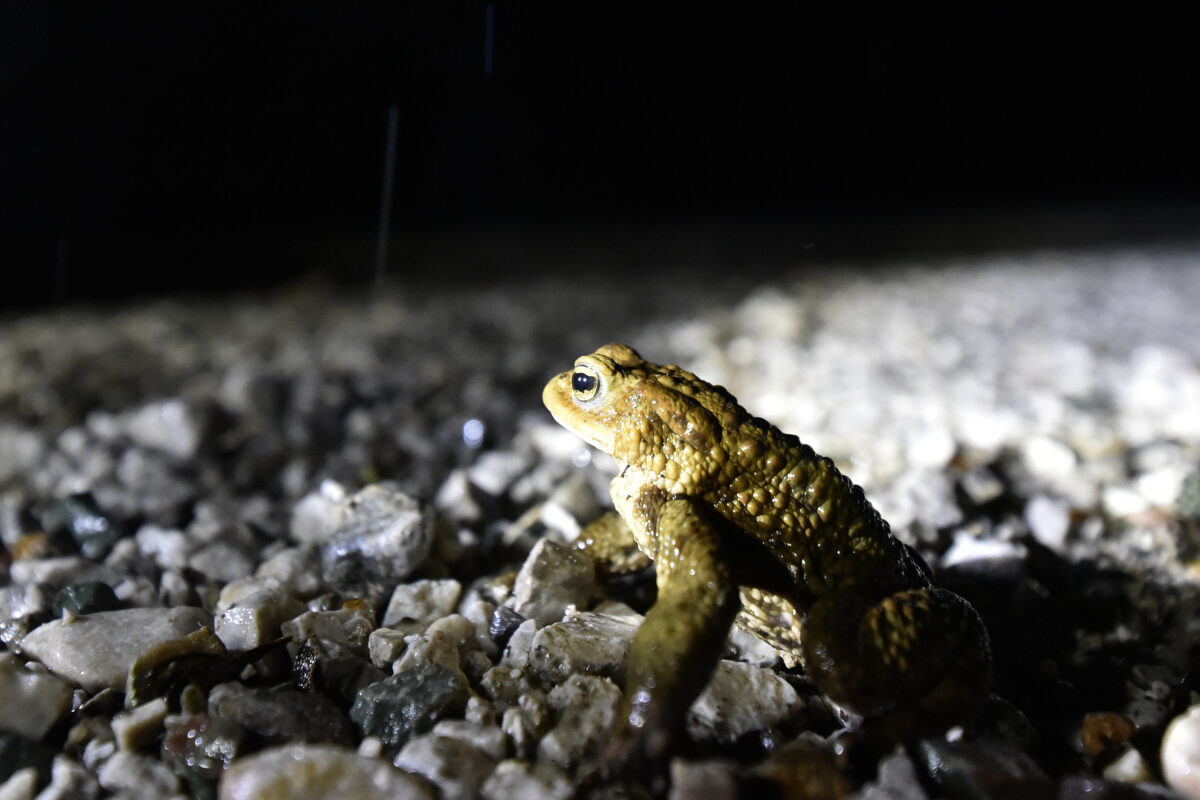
{"x":585,"y":383}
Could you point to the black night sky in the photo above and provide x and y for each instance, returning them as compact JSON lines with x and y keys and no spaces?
{"x":150,"y":148}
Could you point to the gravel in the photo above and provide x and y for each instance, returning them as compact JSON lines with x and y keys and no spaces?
{"x":363,"y":498}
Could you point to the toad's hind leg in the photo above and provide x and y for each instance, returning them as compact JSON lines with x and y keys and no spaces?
{"x":678,"y":645}
{"x":917,"y":661}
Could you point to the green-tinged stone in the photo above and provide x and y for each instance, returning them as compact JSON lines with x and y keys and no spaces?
{"x":81,"y":517}
{"x":408,"y":703}
{"x":85,"y":598}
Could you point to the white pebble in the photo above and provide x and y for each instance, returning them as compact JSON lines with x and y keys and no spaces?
{"x":1181,"y":754}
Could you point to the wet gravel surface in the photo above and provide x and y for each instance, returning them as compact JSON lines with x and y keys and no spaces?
{"x":317,"y":544}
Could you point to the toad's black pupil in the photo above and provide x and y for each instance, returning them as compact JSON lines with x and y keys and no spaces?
{"x":582,"y":382}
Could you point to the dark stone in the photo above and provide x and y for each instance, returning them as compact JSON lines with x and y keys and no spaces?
{"x":383,"y":537}
{"x":282,"y":715}
{"x":17,"y":753}
{"x":981,"y":770}
{"x":408,"y":703}
{"x":86,"y":598}
{"x":504,"y":621}
{"x":80,"y":516}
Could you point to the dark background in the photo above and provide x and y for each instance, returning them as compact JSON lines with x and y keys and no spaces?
{"x":153,"y":148}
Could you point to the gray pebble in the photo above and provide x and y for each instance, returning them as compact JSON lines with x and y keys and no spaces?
{"x":421,"y":602}
{"x":713,"y":780}
{"x":139,"y":728}
{"x":457,"y":768}
{"x":741,"y":698}
{"x":169,"y":426}
{"x":255,"y":620}
{"x":315,"y":518}
{"x":318,"y":772}
{"x":281,"y":715}
{"x":520,"y":780}
{"x":69,"y":781}
{"x":32,"y":701}
{"x":584,"y":642}
{"x":585,"y":708}
{"x":382,"y":537}
{"x":97,"y":650}
{"x":1180,"y":754}
{"x":346,"y":627}
{"x":1049,"y":520}
{"x":552,"y":578}
{"x":138,"y":777}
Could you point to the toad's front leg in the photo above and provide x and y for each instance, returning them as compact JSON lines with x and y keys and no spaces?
{"x":677,"y":646}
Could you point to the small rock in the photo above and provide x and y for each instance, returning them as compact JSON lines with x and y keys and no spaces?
{"x":1049,"y":520}
{"x":139,"y":728}
{"x":201,"y":747}
{"x":1048,"y":458}
{"x":255,"y":620}
{"x":457,"y":768}
{"x":167,"y":426}
{"x":81,"y":516}
{"x":295,"y":570}
{"x":408,"y":703}
{"x":169,"y":547}
{"x":897,"y":780}
{"x":713,"y":780}
{"x":20,"y":785}
{"x":983,"y":769}
{"x":520,"y":643}
{"x":316,"y":517}
{"x":967,"y":548}
{"x":586,"y":707}
{"x":584,"y":642}
{"x":346,"y":627}
{"x":445,"y":643}
{"x":317,"y":772}
{"x":59,"y":571}
{"x":69,"y":781}
{"x":86,"y":598}
{"x":138,"y":776}
{"x":222,"y":561}
{"x":552,"y":578}
{"x":495,"y":470}
{"x":520,"y":780}
{"x":32,"y":701}
{"x":419,"y":603}
{"x":20,"y":450}
{"x":382,"y":537}
{"x":487,"y":739}
{"x":281,"y":715}
{"x":806,"y":766}
{"x":980,"y":486}
{"x":455,"y":501}
{"x":18,"y":752}
{"x":96,"y":651}
{"x":570,"y":505}
{"x":1129,"y":767}
{"x":741,"y":698}
{"x":385,"y":645}
{"x":929,"y":447}
{"x":1180,"y":754}
{"x":1104,"y":731}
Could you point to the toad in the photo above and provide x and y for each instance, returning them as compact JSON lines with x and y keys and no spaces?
{"x":747,"y":525}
